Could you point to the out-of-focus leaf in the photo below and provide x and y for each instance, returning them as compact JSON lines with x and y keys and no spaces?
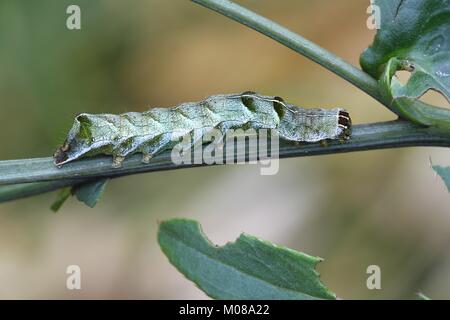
{"x":414,"y":35}
{"x":422,"y":296}
{"x":62,"y":196}
{"x":90,"y":193}
{"x":444,"y":172}
{"x":248,"y":268}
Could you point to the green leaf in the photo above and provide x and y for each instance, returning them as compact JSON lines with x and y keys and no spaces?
{"x":414,"y":36}
{"x":90,"y":193}
{"x":248,"y":268}
{"x":444,"y":172}
{"x":62,"y":196}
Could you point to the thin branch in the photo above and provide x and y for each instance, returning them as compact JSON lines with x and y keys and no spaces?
{"x":23,"y":190}
{"x":297,"y":43}
{"x":35,"y":176}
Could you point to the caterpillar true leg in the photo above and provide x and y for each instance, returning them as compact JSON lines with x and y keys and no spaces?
{"x":154,"y":146}
{"x":126,"y":147}
{"x":143,"y":141}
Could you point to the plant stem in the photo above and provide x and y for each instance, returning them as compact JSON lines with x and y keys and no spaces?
{"x":18,"y":191}
{"x":297,"y":43}
{"x":40,"y":175}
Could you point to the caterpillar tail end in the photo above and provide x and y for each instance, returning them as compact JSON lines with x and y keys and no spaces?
{"x":345,"y":122}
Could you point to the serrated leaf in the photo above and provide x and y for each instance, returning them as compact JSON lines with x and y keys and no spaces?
{"x":90,"y":193}
{"x":248,"y":268}
{"x":444,"y":173}
{"x":414,"y":36}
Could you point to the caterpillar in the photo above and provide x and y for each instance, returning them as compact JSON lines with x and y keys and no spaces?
{"x":153,"y":131}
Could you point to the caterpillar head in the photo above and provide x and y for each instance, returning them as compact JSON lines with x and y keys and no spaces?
{"x":77,"y":143}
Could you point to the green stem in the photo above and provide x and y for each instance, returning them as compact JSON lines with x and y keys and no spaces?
{"x":35,"y":176}
{"x":18,"y":191}
{"x":297,"y":43}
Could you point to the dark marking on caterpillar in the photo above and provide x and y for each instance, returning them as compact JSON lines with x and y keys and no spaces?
{"x":153,"y":131}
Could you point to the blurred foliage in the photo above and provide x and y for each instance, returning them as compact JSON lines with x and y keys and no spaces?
{"x":382,"y":207}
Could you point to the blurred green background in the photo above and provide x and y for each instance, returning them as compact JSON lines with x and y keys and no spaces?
{"x":383,"y":207}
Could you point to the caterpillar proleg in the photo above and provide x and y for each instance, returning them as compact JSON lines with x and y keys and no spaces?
{"x":153,"y":131}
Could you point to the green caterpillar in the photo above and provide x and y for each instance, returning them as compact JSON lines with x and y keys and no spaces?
{"x":156,"y":130}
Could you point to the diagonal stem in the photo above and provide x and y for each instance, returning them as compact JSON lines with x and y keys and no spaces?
{"x":297,"y":43}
